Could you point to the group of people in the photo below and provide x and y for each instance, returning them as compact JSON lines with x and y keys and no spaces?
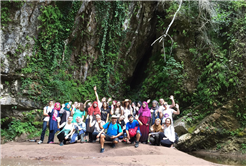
{"x":124,"y":121}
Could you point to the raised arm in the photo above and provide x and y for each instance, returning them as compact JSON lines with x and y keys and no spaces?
{"x":140,"y":123}
{"x":95,"y":89}
{"x":178,"y":111}
{"x":173,"y":102}
{"x":86,"y":102}
{"x":148,"y":101}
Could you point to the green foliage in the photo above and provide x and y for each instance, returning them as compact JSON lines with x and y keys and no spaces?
{"x":6,"y":12}
{"x":243,"y":148}
{"x":27,"y":125}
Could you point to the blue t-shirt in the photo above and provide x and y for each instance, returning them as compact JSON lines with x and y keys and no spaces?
{"x":132,"y":125}
{"x":112,"y":130}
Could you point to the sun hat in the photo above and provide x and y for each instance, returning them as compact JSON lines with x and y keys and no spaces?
{"x":126,"y":100}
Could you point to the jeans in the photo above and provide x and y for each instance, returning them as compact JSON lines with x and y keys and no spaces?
{"x":43,"y":130}
{"x":166,"y":142}
{"x":154,"y":140}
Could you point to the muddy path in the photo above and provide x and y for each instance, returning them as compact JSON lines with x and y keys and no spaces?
{"x":30,"y":153}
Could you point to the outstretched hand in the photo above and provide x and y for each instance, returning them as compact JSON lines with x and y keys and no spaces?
{"x":172,"y":97}
{"x":177,"y":106}
{"x":136,"y":117}
{"x":95,"y":88}
{"x":148,"y":101}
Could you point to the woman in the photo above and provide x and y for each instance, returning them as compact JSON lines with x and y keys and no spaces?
{"x":126,"y":109}
{"x":79,"y":131}
{"x":65,"y":134}
{"x":53,"y":122}
{"x":113,"y":106}
{"x":65,"y":113}
{"x":97,"y":131}
{"x":144,"y":117}
{"x":168,"y":137}
{"x":134,"y":109}
{"x":139,"y":105}
{"x":92,"y":111}
{"x":116,"y":110}
{"x":79,"y":112}
{"x":105,"y":112}
{"x":154,"y":111}
{"x":155,"y":129}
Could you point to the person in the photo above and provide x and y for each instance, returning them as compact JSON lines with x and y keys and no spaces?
{"x":155,"y":129}
{"x":78,"y":112}
{"x":154,"y":111}
{"x":117,"y":109}
{"x":113,"y":132}
{"x":168,"y":113}
{"x":167,"y":138}
{"x":134,"y":109}
{"x":67,"y":131}
{"x":113,"y":106}
{"x":123,"y":127}
{"x":98,"y":100}
{"x":65,"y":112}
{"x":105,"y":112}
{"x":53,"y":122}
{"x":74,"y":106}
{"x":79,"y":131}
{"x":46,"y":119}
{"x":144,"y":117}
{"x":97,"y":130}
{"x":133,"y":130}
{"x":162,"y":101}
{"x":93,"y":111}
{"x":139,"y":104}
{"x":126,"y":109}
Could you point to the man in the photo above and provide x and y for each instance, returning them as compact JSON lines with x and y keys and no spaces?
{"x":168,"y":113}
{"x":113,"y":132}
{"x":133,"y":130}
{"x":46,"y":119}
{"x":103,"y":99}
{"x":97,"y":130}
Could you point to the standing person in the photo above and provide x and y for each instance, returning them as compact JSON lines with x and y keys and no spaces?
{"x":97,"y":130}
{"x":144,"y":117}
{"x":93,"y":111}
{"x":105,"y":112}
{"x":46,"y":119}
{"x":133,"y":130}
{"x":79,"y":131}
{"x":167,"y":138}
{"x":126,"y":109}
{"x":67,"y":131}
{"x":168,"y":113}
{"x":113,"y":132}
{"x":54,"y":114}
{"x":98,"y":100}
{"x":155,"y":129}
{"x":162,"y":101}
{"x":154,"y":111}
{"x":134,"y":109}
{"x":117,"y":109}
{"x":79,"y":112}
{"x":65,"y":113}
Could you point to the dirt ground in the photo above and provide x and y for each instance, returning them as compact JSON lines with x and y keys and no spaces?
{"x":30,"y":153}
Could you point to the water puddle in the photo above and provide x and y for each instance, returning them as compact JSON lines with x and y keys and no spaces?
{"x":237,"y":160}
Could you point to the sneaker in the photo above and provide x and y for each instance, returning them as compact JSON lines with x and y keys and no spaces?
{"x":136,"y":144}
{"x":113,"y":145}
{"x":102,"y":150}
{"x":61,"y":144}
{"x":40,"y":142}
{"x":51,"y":142}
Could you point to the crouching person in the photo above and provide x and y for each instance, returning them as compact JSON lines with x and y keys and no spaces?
{"x":167,"y":138}
{"x":79,"y":131}
{"x":68,"y":129}
{"x":133,"y":130}
{"x":155,"y":129}
{"x":113,"y":132}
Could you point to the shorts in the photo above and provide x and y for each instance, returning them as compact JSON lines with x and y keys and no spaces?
{"x":108,"y":138}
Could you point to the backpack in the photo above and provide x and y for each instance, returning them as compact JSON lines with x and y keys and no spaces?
{"x":117,"y":127}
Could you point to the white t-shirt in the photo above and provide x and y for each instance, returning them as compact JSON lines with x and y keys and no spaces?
{"x":168,"y":113}
{"x":169,"y":133}
{"x":97,"y":128}
{"x":126,"y":113}
{"x":99,"y":104}
{"x":47,"y":109}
